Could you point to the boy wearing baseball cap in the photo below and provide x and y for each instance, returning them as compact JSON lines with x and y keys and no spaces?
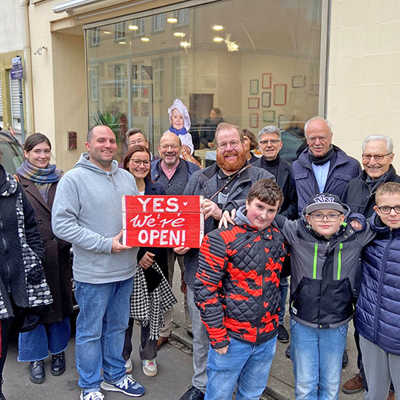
{"x":325,"y":269}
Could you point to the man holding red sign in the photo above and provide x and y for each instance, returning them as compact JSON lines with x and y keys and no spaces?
{"x":225,"y":186}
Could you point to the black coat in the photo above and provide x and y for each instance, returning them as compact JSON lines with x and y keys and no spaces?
{"x":21,"y":251}
{"x":152,"y":278}
{"x":57,"y":265}
{"x":285,"y":181}
{"x":359,"y":196}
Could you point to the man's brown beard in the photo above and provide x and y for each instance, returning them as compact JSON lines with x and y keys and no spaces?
{"x":229,"y":165}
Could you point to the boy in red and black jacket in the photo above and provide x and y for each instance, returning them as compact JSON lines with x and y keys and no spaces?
{"x":237,"y":292}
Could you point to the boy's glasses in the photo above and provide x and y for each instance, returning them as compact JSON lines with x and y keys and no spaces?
{"x":388,"y":209}
{"x":331,"y":217}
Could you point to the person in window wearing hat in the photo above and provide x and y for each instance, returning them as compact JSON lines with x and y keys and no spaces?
{"x":325,"y":274}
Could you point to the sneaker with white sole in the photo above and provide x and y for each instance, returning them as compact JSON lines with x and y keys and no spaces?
{"x":128,"y":366}
{"x":126,"y":386}
{"x":91,"y":396}
{"x":149,"y":367}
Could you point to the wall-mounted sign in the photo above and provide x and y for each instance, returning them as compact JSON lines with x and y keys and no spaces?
{"x":17,"y":71}
{"x":162,"y":221}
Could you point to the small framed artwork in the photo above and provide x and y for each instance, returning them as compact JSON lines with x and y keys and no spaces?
{"x":253,"y":103}
{"x":266,"y":99}
{"x":253,"y":120}
{"x":268,"y":116}
{"x":298,"y":81}
{"x":266,"y":80}
{"x":280,"y":93}
{"x":253,"y":87}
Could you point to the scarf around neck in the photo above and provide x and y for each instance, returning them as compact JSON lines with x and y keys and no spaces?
{"x":39,"y":175}
{"x":178,"y":132}
{"x":324,"y":159}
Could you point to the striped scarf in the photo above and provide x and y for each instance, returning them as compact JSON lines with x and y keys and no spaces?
{"x":42,"y":176}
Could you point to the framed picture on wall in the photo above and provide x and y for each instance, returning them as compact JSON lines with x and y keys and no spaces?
{"x":298,"y":81}
{"x":268,"y":116}
{"x":266,"y":99}
{"x":266,"y":79}
{"x":253,"y":87}
{"x":280,"y":93}
{"x":253,"y":103}
{"x":253,"y":120}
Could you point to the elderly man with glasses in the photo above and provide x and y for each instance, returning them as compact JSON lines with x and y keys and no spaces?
{"x":377,"y":158}
{"x":270,"y":144}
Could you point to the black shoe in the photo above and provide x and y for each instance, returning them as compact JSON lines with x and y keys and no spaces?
{"x":193,"y":394}
{"x":345,"y":359}
{"x":287,"y":352}
{"x":36,"y":369}
{"x":283,"y":335}
{"x":57,"y":364}
{"x":189,"y":332}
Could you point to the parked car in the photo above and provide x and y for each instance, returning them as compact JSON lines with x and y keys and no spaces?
{"x":11,"y":153}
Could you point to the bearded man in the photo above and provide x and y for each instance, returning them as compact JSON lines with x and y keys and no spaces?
{"x":224,"y":186}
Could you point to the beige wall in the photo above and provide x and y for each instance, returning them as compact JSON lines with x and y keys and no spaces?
{"x":364,"y":72}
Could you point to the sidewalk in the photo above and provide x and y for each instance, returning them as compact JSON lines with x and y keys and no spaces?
{"x":281,"y":381}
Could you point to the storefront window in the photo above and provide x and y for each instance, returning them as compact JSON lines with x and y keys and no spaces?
{"x":257,"y":62}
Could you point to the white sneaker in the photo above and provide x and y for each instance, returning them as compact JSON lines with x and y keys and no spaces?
{"x":92,"y":396}
{"x":128,"y":366}
{"x":149,"y":367}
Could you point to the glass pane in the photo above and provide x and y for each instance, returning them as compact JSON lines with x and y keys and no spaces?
{"x":255,"y":66}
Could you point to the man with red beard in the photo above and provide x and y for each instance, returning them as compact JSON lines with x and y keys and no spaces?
{"x":224,"y":186}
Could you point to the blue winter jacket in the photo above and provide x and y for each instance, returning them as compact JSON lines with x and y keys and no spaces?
{"x":342,"y":169}
{"x":378,"y":306}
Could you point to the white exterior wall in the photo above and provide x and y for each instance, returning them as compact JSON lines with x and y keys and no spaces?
{"x":364,"y":72}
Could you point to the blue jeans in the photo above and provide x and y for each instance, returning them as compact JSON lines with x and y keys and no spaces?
{"x":284,"y":286}
{"x":100,"y":331}
{"x":245,"y":364}
{"x":44,"y":339}
{"x":317,"y":360}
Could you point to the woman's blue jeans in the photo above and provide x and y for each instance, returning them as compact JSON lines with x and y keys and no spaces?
{"x":245,"y":364}
{"x":44,"y":339}
{"x":100,"y":331}
{"x":317,"y":360}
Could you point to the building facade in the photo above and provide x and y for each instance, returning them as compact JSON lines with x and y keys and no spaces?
{"x":259,"y":62}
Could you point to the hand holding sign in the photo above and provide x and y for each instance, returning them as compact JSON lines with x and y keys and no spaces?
{"x":117,"y":246}
{"x":210,"y":209}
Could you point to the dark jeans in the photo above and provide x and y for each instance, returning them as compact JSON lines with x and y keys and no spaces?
{"x":148,"y":348}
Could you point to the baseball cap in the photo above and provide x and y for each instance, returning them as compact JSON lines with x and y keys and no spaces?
{"x":324,"y":201}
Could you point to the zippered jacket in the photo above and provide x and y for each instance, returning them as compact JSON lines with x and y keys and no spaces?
{"x":378,"y":307}
{"x":325,"y":274}
{"x":237,"y":284}
{"x":342,"y":169}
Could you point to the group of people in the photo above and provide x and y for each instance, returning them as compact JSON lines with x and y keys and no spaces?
{"x":333,"y":227}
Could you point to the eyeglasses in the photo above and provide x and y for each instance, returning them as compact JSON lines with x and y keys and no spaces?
{"x":234,"y":145}
{"x":376,"y":157}
{"x":140,"y":162}
{"x":388,"y":209}
{"x":272,"y":141}
{"x":331,"y":217}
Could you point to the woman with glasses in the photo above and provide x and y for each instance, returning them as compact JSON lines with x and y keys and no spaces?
{"x":39,"y":180}
{"x":137,"y":162}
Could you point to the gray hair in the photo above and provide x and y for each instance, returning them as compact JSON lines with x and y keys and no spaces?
{"x":317,"y":118}
{"x":387,"y":139}
{"x":269,"y":129}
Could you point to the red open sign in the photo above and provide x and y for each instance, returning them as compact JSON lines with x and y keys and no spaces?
{"x":162,"y":221}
